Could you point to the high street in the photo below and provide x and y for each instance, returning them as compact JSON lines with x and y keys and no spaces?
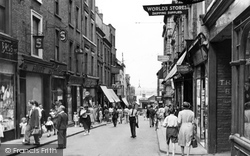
{"x":112,"y":141}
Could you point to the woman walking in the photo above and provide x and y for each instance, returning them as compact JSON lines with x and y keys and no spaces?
{"x":186,"y":120}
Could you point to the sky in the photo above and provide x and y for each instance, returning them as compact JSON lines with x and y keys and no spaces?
{"x":138,"y":38}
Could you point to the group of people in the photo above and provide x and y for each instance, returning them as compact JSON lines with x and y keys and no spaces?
{"x":32,"y":124}
{"x":181,"y":128}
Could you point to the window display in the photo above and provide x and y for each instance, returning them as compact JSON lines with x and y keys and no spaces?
{"x":7,"y":100}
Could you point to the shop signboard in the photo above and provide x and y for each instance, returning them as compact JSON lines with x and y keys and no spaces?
{"x":184,"y":69}
{"x":166,"y":9}
{"x":163,"y":58}
{"x":8,"y":48}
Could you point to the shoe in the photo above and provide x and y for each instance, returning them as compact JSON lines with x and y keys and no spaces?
{"x":37,"y":144}
{"x":26,"y":143}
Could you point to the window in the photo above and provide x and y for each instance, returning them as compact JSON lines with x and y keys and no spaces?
{"x":85,"y":25}
{"x":57,"y":7}
{"x":36,"y":29}
{"x":77,"y":68}
{"x":86,"y":63}
{"x":92,"y":32}
{"x":70,"y":55}
{"x":57,"y":45}
{"x":3,"y":15}
{"x":77,"y":15}
{"x":98,"y":46}
{"x":92,"y":65}
{"x":70,"y":11}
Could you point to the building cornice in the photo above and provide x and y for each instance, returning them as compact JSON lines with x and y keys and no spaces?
{"x":216,"y":10}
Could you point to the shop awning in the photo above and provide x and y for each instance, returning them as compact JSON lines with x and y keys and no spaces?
{"x":107,"y":93}
{"x":114,"y":96}
{"x":174,"y":69}
{"x":125,"y":101}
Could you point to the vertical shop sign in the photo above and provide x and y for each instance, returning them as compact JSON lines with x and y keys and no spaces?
{"x":38,"y":42}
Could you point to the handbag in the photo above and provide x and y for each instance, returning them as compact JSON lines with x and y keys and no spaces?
{"x":194,"y":142}
{"x":36,"y":131}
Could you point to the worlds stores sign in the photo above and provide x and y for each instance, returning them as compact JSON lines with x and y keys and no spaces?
{"x":166,"y":9}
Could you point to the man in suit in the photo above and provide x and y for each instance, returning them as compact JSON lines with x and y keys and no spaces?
{"x":133,"y":120}
{"x":61,"y":126}
{"x":33,"y":122}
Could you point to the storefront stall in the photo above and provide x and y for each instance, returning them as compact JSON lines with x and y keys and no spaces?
{"x":74,"y":94}
{"x":90,"y":89}
{"x":8,"y":83}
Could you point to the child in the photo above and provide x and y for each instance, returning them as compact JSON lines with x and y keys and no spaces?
{"x":171,"y":123}
{"x":100,"y":116}
{"x":23,"y":125}
{"x":49,"y":125}
{"x":76,"y":119}
{"x":1,"y":128}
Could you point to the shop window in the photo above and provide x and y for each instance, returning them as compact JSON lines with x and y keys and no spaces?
{"x":57,"y":7}
{"x":247,"y":91}
{"x":7,"y":101}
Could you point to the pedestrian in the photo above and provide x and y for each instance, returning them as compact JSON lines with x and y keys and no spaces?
{"x":76,"y":119}
{"x":151,"y":116}
{"x":171,"y":124}
{"x":91,"y":115}
{"x":126,"y":110}
{"x":120,"y":114}
{"x":133,"y":119}
{"x":100,"y":116}
{"x":53,"y":115}
{"x":43,"y":114}
{"x":49,"y":126}
{"x":106,"y":114}
{"x":61,"y":126}
{"x":23,"y":125}
{"x":1,"y":128}
{"x":186,"y":121}
{"x":115,"y":115}
{"x":32,"y":124}
{"x":85,"y":119}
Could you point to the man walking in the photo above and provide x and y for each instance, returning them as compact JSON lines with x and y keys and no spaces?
{"x":133,"y":120}
{"x":61,"y":126}
{"x":33,"y":122}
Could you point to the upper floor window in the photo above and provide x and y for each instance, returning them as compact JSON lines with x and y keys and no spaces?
{"x":77,"y":17}
{"x":70,"y":11}
{"x":57,"y":7}
{"x":3,"y":12}
{"x":92,"y":32}
{"x":57,"y":55}
{"x":92,"y":65}
{"x":36,"y":30}
{"x":70,"y":55}
{"x":85,"y":25}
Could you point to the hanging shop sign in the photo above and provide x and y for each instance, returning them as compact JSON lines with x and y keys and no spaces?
{"x":63,"y":35}
{"x":190,"y":1}
{"x":8,"y":48}
{"x":166,"y":9}
{"x":163,"y":58}
{"x":184,"y":69}
{"x":38,"y":42}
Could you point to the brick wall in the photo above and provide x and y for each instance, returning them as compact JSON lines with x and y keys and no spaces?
{"x":223,"y":52}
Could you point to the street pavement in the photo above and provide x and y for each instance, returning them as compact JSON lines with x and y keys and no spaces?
{"x":199,"y":151}
{"x":108,"y":140}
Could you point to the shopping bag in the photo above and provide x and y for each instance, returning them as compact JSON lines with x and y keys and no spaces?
{"x":194,"y":142}
{"x":36,"y":131}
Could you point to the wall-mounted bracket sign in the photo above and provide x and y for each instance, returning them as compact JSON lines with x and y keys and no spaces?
{"x":166,"y":9}
{"x":190,"y":1}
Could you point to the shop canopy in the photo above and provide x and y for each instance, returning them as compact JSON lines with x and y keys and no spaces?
{"x":107,"y":93}
{"x":174,"y":69}
{"x":125,"y":101}
{"x":114,"y":96}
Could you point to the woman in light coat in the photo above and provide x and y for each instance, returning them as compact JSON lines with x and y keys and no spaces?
{"x":186,"y":120}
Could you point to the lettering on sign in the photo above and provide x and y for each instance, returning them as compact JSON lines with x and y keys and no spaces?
{"x":166,"y":9}
{"x":63,"y":35}
{"x":39,"y":69}
{"x":8,"y":49}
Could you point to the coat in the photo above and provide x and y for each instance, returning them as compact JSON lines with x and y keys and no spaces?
{"x":34,"y":120}
{"x":62,"y":121}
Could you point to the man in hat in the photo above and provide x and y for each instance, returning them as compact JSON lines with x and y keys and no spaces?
{"x":61,"y":126}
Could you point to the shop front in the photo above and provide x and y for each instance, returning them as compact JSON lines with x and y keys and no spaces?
{"x":34,"y":82}
{"x":228,"y":24}
{"x":90,"y":90}
{"x":74,"y":94}
{"x":8,"y":84}
{"x":240,"y":136}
